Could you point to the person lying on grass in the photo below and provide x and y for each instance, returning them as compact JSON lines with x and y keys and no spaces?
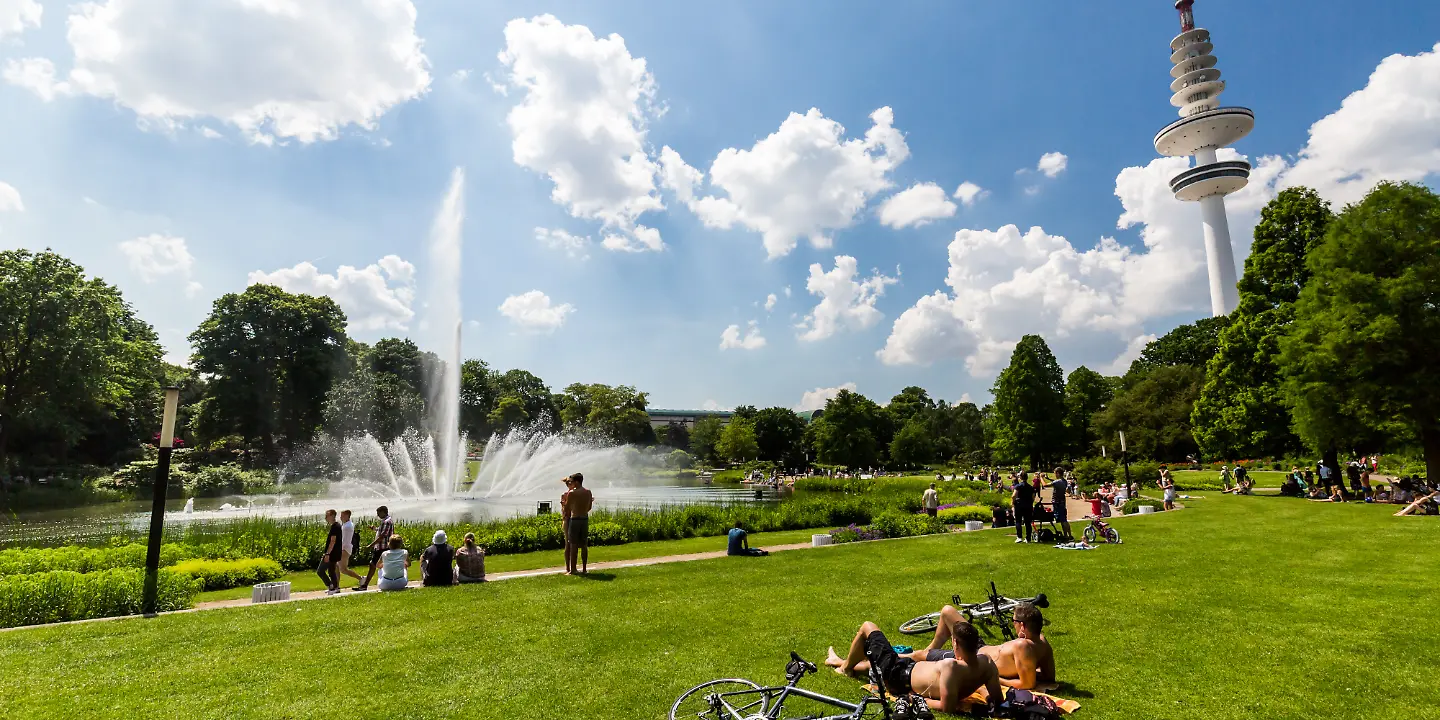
{"x":1025,"y":663}
{"x":943,"y":683}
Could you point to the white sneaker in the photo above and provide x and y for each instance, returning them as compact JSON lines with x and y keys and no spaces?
{"x":1019,"y":540}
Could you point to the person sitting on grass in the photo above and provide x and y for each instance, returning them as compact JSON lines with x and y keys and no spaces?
{"x":437,"y":563}
{"x":944,"y":684}
{"x":470,"y":561}
{"x":739,"y":543}
{"x":1025,"y":663}
{"x":392,"y":565}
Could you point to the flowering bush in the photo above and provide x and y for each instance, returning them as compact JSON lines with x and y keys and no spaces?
{"x":855,"y":533}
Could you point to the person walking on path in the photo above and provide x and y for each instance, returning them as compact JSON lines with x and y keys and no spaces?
{"x":931,"y":501}
{"x":378,"y":546}
{"x":1022,"y":497}
{"x":576,"y":509}
{"x":347,"y":546}
{"x":330,"y":556}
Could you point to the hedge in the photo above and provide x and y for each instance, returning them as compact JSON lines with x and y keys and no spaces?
{"x":26,"y":561}
{"x":226,"y":574}
{"x":958,"y":515}
{"x":63,"y":595}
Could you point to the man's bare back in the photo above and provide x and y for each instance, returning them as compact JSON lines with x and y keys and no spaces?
{"x":579,"y":503}
{"x":1023,"y":663}
{"x":948,"y":682}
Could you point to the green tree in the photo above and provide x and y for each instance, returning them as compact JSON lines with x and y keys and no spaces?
{"x":737,"y":442}
{"x":529,"y":401}
{"x":746,"y":412}
{"x":1154,"y":414}
{"x":272,"y":357}
{"x":381,"y":390}
{"x":704,"y":438}
{"x":1361,"y":354}
{"x":1241,"y":411}
{"x":913,"y":446}
{"x":78,"y":371}
{"x":780,"y":434}
{"x":853,"y":432}
{"x":908,"y":403}
{"x":674,"y":435}
{"x":478,"y":390}
{"x":1028,"y":415}
{"x":1086,"y":393}
{"x":614,"y":413}
{"x":1192,"y":345}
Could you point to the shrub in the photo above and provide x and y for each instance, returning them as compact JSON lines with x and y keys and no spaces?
{"x":1094,"y":472}
{"x":226,"y":574}
{"x":679,"y":460}
{"x":958,"y":515}
{"x":228,"y":479}
{"x":855,"y":533}
{"x":894,"y":524}
{"x":25,"y":561}
{"x":1133,"y":506}
{"x":608,"y":533}
{"x":61,"y":595}
{"x":1145,"y":472}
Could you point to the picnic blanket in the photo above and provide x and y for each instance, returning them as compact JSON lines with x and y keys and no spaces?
{"x":981,"y":697}
{"x":1081,"y":545}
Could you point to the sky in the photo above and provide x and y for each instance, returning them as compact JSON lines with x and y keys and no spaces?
{"x":718,"y":203}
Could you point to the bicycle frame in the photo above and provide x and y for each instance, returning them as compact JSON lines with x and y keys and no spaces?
{"x":853,"y":711}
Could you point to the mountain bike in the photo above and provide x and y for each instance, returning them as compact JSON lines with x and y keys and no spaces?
{"x":739,"y":699}
{"x":996,"y":613}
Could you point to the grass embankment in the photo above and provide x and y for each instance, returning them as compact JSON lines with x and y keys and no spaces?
{"x":1239,"y":607}
{"x":1208,"y":478}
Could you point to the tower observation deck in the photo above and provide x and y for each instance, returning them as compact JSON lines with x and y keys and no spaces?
{"x":1203,"y":128}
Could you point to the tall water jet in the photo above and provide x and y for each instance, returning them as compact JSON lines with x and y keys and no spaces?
{"x":443,"y":311}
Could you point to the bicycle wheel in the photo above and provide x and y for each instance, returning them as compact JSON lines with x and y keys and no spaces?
{"x":920,"y":625}
{"x":1090,"y":534}
{"x":1112,"y":535}
{"x":695,"y":703}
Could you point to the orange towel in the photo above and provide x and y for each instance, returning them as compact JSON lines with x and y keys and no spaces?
{"x":981,"y":697}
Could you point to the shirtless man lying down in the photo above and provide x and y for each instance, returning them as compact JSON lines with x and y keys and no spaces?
{"x":943,"y":683}
{"x":1027,"y":662}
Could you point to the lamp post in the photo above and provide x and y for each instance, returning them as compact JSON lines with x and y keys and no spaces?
{"x":157,"y":509}
{"x":1125,"y":459}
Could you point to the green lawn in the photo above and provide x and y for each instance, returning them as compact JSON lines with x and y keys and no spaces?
{"x":1262,"y":478}
{"x":1238,"y":607}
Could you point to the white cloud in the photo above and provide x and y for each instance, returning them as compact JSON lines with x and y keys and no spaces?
{"x":965,"y":398}
{"x":710,"y":405}
{"x":969,"y":193}
{"x":640,"y":239}
{"x":844,"y":300}
{"x":787,"y":291}
{"x":155,"y":256}
{"x":10,"y":199}
{"x":804,"y":180}
{"x":915,"y":206}
{"x":816,"y":399}
{"x":1130,"y":354}
{"x":375,"y":297}
{"x":770,"y":301}
{"x":731,"y":339}
{"x":275,"y":69}
{"x":534,"y":311}
{"x":460,"y":75}
{"x":17,"y":15}
{"x":582,"y":122}
{"x":572,"y":245}
{"x":1052,"y":164}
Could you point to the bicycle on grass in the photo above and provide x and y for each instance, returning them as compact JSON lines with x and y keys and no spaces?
{"x":739,"y":699}
{"x":997,"y":612}
{"x":1100,"y":529}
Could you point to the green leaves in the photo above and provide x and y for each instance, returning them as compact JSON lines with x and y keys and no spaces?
{"x":1028,"y":416}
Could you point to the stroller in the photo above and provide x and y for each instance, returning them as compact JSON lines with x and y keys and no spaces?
{"x":1042,"y":520}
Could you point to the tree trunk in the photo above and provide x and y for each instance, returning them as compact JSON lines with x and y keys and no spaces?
{"x":1331,"y":459}
{"x":1430,"y":441}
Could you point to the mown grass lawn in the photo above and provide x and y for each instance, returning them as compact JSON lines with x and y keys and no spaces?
{"x":1238,"y":607}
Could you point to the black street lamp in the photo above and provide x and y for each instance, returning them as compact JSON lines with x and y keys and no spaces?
{"x":157,"y":509}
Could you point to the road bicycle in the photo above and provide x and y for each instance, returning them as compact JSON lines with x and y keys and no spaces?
{"x":739,"y":699}
{"x":1100,"y":529}
{"x":996,"y":613}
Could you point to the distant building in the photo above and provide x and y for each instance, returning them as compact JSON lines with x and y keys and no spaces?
{"x":688,"y":418}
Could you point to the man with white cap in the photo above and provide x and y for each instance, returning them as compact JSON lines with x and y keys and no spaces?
{"x":437,"y":563}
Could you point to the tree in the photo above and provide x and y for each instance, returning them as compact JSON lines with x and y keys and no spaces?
{"x":674,"y":435}
{"x":1154,"y":414}
{"x":529,"y":401}
{"x":745,"y":412}
{"x":910,"y":402}
{"x":853,"y":432}
{"x":1028,"y":415}
{"x":780,"y":434}
{"x":380,"y":391}
{"x":1362,"y":351}
{"x":737,"y":442}
{"x":1241,"y":411}
{"x":75,"y":363}
{"x":704,"y":438}
{"x":912,"y":445}
{"x":1192,"y":345}
{"x":1086,"y":393}
{"x":614,"y":413}
{"x":272,"y":357}
{"x":478,"y":389}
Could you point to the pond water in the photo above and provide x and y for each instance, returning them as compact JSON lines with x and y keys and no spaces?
{"x":98,"y":522}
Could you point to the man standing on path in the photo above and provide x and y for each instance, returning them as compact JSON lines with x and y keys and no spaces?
{"x":380,"y":544}
{"x":931,"y":500}
{"x":1022,"y":497}
{"x":577,"y":506}
{"x":347,"y":546}
{"x":1058,"y":488}
{"x":330,"y":556}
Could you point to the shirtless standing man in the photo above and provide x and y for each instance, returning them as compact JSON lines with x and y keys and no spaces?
{"x":943,"y":683}
{"x":576,"y":508}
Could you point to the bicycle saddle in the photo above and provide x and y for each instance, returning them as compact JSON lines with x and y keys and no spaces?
{"x":1041,"y":601}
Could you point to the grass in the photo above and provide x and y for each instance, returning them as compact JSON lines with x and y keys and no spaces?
{"x":1262,"y":478}
{"x":1238,"y":607}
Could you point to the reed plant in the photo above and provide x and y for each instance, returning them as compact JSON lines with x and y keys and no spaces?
{"x":64,"y":595}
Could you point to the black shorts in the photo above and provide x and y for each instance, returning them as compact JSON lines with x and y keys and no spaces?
{"x":895,"y":670}
{"x":938,"y":655}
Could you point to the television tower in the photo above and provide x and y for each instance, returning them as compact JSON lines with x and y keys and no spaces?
{"x":1203,"y":128}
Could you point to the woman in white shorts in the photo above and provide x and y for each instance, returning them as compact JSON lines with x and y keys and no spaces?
{"x":392,"y":565}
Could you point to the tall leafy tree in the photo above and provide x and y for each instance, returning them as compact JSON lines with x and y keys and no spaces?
{"x":780,"y":435}
{"x":1154,"y":413}
{"x":854,"y":431}
{"x":1363,"y":352}
{"x":1086,"y":393}
{"x":1028,"y":415}
{"x":1193,"y":344}
{"x":737,"y":442}
{"x":381,"y":391}
{"x":910,"y":402}
{"x":913,"y":445}
{"x":1241,"y":411}
{"x":478,"y":390}
{"x":704,"y":438}
{"x":674,"y":435}
{"x":75,"y":363}
{"x":272,"y":357}
{"x":523,"y":399}
{"x":614,"y":413}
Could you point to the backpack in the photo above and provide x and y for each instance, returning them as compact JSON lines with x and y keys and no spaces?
{"x":1025,"y":705}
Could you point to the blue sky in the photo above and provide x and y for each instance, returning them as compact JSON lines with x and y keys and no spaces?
{"x":180,"y":164}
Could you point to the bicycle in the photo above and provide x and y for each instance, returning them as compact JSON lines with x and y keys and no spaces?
{"x":740,"y":699}
{"x":1100,"y":529}
{"x":997,"y":611}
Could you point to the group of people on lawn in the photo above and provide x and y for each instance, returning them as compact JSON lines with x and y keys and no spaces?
{"x":947,"y":678}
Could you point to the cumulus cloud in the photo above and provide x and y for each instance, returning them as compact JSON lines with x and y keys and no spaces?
{"x":1052,"y":164}
{"x":17,"y":15}
{"x":805,"y":180}
{"x":845,"y":300}
{"x":534,"y":311}
{"x":375,"y":297}
{"x":10,"y":199}
{"x":1121,"y":364}
{"x":969,"y":193}
{"x":572,"y":245}
{"x":710,"y":405}
{"x":816,"y":399}
{"x":581,"y":122}
{"x":915,"y":206}
{"x":731,"y":339}
{"x":155,"y":256}
{"x":275,"y":69}
{"x":770,"y":301}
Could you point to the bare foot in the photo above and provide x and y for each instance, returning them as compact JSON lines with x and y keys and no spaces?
{"x":833,"y":660}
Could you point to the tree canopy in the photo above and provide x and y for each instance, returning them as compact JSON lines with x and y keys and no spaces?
{"x":1086,"y":393}
{"x":1154,"y":414}
{"x":1028,"y":416}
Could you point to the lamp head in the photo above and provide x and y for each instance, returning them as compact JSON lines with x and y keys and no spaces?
{"x":167,"y":424}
